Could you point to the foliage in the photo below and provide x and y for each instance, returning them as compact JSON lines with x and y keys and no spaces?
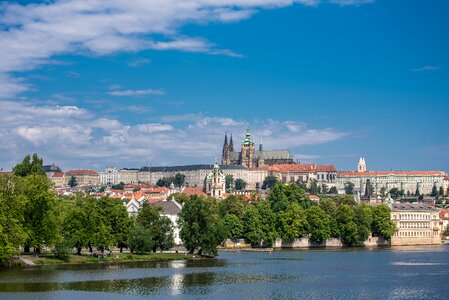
{"x":72,"y":182}
{"x":200,"y":226}
{"x":139,"y":239}
{"x":319,"y":224}
{"x":382,"y":224}
{"x":120,"y":186}
{"x":167,"y":181}
{"x":229,"y":179}
{"x":395,"y":193}
{"x":333,"y":190}
{"x":233,"y":226}
{"x":179,"y":179}
{"x":349,"y":188}
{"x":231,"y":205}
{"x":345,"y":199}
{"x":159,"y":227}
{"x":29,"y":167}
{"x":269,"y":182}
{"x":314,"y":188}
{"x":292,"y":223}
{"x":252,"y":226}
{"x":434,"y":192}
{"x":324,"y":188}
{"x":240,"y":184}
{"x":347,"y":227}
{"x":277,"y":198}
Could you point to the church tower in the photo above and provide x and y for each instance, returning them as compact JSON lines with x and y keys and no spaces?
{"x":361,"y":166}
{"x":260,"y":158}
{"x":248,"y":151}
{"x":225,"y":157}
{"x":216,"y":182}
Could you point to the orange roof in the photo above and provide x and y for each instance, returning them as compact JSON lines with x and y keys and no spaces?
{"x":58,"y":174}
{"x":309,"y":168}
{"x":314,"y":197}
{"x":193,"y":190}
{"x":397,"y":173}
{"x":81,"y":172}
{"x":444,"y":214}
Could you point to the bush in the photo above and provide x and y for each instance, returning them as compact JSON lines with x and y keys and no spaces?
{"x":63,"y":250}
{"x":139,"y":239}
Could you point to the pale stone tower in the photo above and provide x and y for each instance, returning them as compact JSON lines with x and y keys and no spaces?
{"x":361,"y":167}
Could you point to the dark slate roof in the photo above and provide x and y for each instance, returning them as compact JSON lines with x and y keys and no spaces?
{"x":186,"y":168}
{"x":168,"y":207}
{"x":411,"y":206}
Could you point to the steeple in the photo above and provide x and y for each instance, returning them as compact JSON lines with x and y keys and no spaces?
{"x":261,"y":145}
{"x":231,"y":145}
{"x":225,"y":140}
{"x":361,"y":166}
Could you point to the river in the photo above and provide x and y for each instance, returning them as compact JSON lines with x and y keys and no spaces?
{"x":397,"y":273}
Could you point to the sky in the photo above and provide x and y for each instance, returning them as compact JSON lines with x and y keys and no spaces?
{"x":91,"y":84}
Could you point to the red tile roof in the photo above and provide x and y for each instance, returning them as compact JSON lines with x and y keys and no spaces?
{"x":58,"y":174}
{"x":81,"y":173}
{"x":194,"y":190}
{"x":306,"y":168}
{"x":444,"y":214}
{"x":397,"y":173}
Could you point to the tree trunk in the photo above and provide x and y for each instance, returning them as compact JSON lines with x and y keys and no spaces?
{"x":90,"y":249}
{"x":200,"y":252}
{"x":78,"y":250}
{"x":26,"y":249}
{"x":121,"y":249}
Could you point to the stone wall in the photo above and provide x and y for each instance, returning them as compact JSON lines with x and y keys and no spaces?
{"x":333,"y":242}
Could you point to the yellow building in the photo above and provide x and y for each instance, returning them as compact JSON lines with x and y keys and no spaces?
{"x":83,"y":177}
{"x":416,"y":224}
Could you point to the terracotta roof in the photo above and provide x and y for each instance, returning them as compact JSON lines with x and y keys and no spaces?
{"x":58,"y":174}
{"x":193,"y":190}
{"x":309,"y":168}
{"x":397,"y":173}
{"x":444,"y":214}
{"x":81,"y":172}
{"x":314,"y":197}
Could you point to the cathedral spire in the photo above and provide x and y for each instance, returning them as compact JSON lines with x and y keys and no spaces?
{"x":225,"y":140}
{"x":260,"y":145}
{"x":231,"y":144}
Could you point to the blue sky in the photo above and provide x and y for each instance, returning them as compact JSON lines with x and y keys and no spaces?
{"x":88,"y":84}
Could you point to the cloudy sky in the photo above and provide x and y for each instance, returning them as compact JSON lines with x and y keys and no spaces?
{"x":92,"y":83}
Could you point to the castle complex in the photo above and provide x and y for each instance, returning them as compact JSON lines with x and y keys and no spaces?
{"x":248,"y":157}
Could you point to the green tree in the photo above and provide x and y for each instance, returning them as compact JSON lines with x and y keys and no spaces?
{"x":12,"y":203}
{"x":295,"y":194}
{"x":324,"y":188}
{"x":434,"y":192}
{"x":72,"y":182}
{"x":395,"y":193}
{"x":314,"y":189}
{"x":349,"y":188}
{"x":277,"y":198}
{"x":267,"y":223}
{"x":382,"y":224}
{"x":120,"y":186}
{"x":364,"y":220}
{"x":333,"y":190}
{"x":291,"y":223}
{"x":269,"y":182}
{"x":441,"y":191}
{"x":231,"y":205}
{"x":200,"y":226}
{"x":160,"y":227}
{"x":179,"y":179}
{"x":240,"y":184}
{"x":383,"y":191}
{"x":330,"y":208}
{"x":348,"y":228}
{"x":252,"y":226}
{"x":345,"y":199}
{"x":139,"y":239}
{"x":180,"y":197}
{"x":417,"y":192}
{"x":233,"y":226}
{"x":40,"y":212}
{"x":319,"y":224}
{"x":29,"y":166}
{"x":229,"y":179}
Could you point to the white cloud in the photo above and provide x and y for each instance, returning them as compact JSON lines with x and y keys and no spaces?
{"x":138,"y":62}
{"x":136,"y":92}
{"x":33,"y":34}
{"x":76,"y":137}
{"x":351,"y":2}
{"x":426,"y":69}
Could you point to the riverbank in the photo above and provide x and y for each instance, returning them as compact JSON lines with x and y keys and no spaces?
{"x":49,"y":259}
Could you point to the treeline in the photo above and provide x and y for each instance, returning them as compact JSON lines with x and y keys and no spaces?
{"x":32,"y":216}
{"x":287,"y":213}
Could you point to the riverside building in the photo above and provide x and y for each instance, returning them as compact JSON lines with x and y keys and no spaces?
{"x":416,"y":224}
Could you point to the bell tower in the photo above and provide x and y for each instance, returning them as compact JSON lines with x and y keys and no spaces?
{"x":361,"y":166}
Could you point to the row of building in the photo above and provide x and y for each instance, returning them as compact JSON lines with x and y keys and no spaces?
{"x":195,"y":175}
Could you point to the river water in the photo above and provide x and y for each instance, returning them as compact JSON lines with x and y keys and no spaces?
{"x":397,"y":273}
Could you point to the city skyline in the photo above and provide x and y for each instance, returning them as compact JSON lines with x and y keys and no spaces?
{"x":92,"y":84}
